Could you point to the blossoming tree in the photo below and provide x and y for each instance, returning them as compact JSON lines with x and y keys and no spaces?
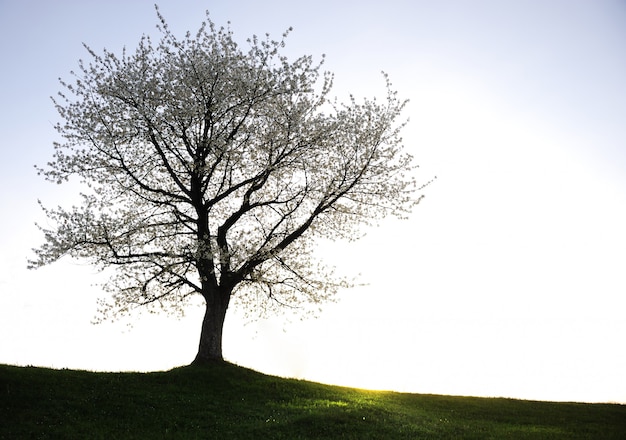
{"x":209,"y":170}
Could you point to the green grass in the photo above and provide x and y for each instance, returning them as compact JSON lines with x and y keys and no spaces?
{"x":224,"y":401}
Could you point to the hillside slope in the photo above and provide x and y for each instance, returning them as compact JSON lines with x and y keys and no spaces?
{"x":224,"y":401}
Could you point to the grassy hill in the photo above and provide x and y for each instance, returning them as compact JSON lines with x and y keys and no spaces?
{"x":224,"y":401}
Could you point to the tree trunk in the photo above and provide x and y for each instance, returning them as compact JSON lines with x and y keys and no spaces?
{"x":210,"y":347}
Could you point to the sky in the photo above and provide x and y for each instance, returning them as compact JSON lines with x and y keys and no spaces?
{"x":508,"y":280}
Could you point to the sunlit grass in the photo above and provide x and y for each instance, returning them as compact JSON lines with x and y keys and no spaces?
{"x":229,"y":402}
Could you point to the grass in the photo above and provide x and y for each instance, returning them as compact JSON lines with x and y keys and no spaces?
{"x":224,"y":401}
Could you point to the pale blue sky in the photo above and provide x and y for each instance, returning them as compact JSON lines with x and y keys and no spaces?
{"x":507,"y":280}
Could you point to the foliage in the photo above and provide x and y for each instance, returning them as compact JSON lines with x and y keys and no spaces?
{"x":226,"y":401}
{"x":211,"y":170}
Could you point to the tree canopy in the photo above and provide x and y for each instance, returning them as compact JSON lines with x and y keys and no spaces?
{"x":210,"y":170}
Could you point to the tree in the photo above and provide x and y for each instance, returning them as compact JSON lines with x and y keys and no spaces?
{"x":210,"y":170}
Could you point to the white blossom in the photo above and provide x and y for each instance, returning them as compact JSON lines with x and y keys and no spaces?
{"x":213,"y":167}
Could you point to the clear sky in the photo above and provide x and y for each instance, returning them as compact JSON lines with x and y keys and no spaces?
{"x":508,"y":280}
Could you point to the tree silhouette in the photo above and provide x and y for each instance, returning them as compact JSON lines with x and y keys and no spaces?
{"x":210,"y":170}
